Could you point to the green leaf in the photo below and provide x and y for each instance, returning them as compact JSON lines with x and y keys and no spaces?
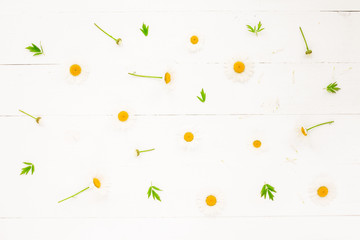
{"x":156,"y":188}
{"x":145,"y":29}
{"x":25,"y":170}
{"x":156,"y":196}
{"x":263,"y":190}
{"x":203,"y":96}
{"x":153,"y":194}
{"x":27,"y":163}
{"x":270,"y":187}
{"x":250,"y":28}
{"x":332,"y":87}
{"x":149,"y":192}
{"x":271,"y":196}
{"x":35,"y":49}
{"x":255,"y":29}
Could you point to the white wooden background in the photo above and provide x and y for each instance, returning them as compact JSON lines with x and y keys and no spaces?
{"x":81,"y":135}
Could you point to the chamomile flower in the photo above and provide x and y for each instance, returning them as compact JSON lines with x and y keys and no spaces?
{"x":97,"y":183}
{"x":189,"y":138}
{"x":75,"y":72}
{"x":195,"y":42}
{"x":210,"y":203}
{"x":239,"y":69}
{"x":167,"y":77}
{"x":123,"y":119}
{"x":305,"y":130}
{"x":322,"y":191}
{"x":256,"y":143}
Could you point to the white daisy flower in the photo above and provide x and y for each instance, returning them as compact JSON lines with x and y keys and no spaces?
{"x":195,"y":42}
{"x":189,"y":138}
{"x":123,"y":119}
{"x":76,"y":71}
{"x":239,"y":69}
{"x":211,"y":203}
{"x":322,"y":191}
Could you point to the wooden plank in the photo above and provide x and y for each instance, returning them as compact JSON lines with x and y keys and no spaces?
{"x":68,"y":151}
{"x":333,"y":37}
{"x":186,"y":5}
{"x":107,"y":89}
{"x":210,"y":228}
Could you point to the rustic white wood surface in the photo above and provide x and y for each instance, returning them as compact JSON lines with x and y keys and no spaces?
{"x":80,"y":134}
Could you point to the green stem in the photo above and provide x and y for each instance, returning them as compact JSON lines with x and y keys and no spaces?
{"x":319,"y":125}
{"x":74,"y":195}
{"x":147,"y":150}
{"x":136,"y":75}
{"x":28,"y":114}
{"x":307,"y":48}
{"x":105,"y":32}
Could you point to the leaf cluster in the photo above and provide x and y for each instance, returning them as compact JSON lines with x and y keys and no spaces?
{"x":332,"y":87}
{"x":152,"y":191}
{"x":203,"y":96}
{"x":35,"y":49}
{"x":26,"y":170}
{"x":267,"y":189}
{"x":145,"y":29}
{"x":255,"y":29}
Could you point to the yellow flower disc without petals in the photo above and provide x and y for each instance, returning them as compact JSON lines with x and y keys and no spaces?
{"x":211,"y":200}
{"x":75,"y":70}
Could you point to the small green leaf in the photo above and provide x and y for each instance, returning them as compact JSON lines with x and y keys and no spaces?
{"x":271,"y":196}
{"x":149,"y":192}
{"x":267,"y":189}
{"x":203,"y":96}
{"x":332,"y":87}
{"x":156,"y":196}
{"x":145,"y":29}
{"x":156,"y":188}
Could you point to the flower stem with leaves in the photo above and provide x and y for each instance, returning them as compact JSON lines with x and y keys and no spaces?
{"x":29,"y":167}
{"x":152,"y":191}
{"x":267,"y":189}
{"x":308,"y":51}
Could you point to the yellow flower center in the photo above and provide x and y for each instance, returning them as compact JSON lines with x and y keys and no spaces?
{"x":188,"y":136}
{"x":257,"y":143}
{"x":75,"y":70}
{"x":167,"y":77}
{"x":97,"y":182}
{"x":239,"y":67}
{"x":194,"y":39}
{"x":211,"y":200}
{"x":123,"y":116}
{"x":322,"y":191}
{"x":303,"y":130}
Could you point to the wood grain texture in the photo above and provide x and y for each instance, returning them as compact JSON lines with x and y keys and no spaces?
{"x":80,"y":136}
